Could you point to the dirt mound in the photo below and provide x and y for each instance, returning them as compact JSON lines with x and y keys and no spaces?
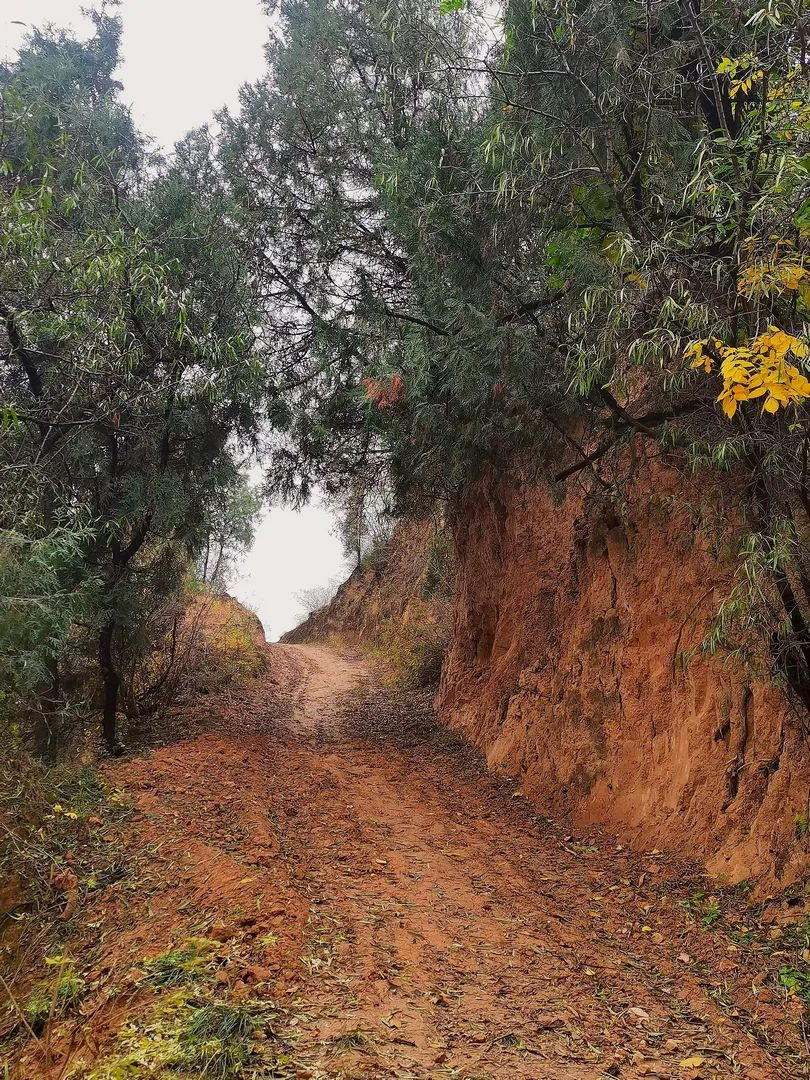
{"x":218,"y":649}
{"x":227,"y":641}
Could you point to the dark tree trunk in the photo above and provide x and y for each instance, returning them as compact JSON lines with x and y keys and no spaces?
{"x":207,"y":555}
{"x":218,"y":564}
{"x":111,"y":683}
{"x":46,"y":733}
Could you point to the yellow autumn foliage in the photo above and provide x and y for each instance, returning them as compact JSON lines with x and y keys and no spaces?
{"x":787,"y":275}
{"x":742,"y":73}
{"x":757,"y":370}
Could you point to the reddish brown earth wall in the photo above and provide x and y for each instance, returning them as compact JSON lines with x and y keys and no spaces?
{"x":562,"y":668}
{"x":375,"y":596}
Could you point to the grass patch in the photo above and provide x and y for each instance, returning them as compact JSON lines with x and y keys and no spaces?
{"x":180,"y":966}
{"x":185,"y":1038}
{"x":52,"y":998}
{"x":352,"y":1040}
{"x":583,"y":849}
{"x":57,"y":823}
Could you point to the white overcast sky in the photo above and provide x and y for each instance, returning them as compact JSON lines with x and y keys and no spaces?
{"x":183,"y":59}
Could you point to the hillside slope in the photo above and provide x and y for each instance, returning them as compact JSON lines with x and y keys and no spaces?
{"x":400,"y":606}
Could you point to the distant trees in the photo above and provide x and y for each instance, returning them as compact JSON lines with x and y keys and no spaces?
{"x":316,"y":597}
{"x":349,"y":87}
{"x":228,"y":531}
{"x":365,"y":515}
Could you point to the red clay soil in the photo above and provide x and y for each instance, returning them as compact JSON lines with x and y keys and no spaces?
{"x":429,"y":924}
{"x":567,"y":669}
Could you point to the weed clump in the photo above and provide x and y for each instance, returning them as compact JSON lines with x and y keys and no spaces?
{"x":413,"y":648}
{"x":186,"y":1037}
{"x":702,"y":908}
{"x":796,"y":982}
{"x":180,"y":966}
{"x":52,"y":998}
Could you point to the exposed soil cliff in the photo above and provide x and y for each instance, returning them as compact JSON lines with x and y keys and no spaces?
{"x":564,"y":669}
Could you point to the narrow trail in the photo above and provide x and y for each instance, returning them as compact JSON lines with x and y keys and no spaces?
{"x":412,"y":913}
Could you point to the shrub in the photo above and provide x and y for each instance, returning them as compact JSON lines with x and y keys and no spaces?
{"x":413,"y":646}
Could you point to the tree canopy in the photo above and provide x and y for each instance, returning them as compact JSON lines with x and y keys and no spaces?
{"x":131,"y":383}
{"x":437,"y":241}
{"x":509,"y":240}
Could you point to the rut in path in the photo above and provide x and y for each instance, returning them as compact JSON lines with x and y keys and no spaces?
{"x":429,"y":925}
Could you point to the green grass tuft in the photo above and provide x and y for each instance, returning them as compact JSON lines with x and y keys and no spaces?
{"x":178,"y":967}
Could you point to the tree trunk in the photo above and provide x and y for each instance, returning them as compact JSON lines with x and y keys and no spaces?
{"x":46,"y":734}
{"x":111,"y":682}
{"x":218,"y":564}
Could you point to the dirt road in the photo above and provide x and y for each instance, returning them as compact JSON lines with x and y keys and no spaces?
{"x":411,"y":913}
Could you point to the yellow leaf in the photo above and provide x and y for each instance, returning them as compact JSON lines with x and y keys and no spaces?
{"x":692,"y":1062}
{"x":729,"y":407}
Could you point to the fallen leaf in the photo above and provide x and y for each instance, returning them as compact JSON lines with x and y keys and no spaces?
{"x":692,"y":1062}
